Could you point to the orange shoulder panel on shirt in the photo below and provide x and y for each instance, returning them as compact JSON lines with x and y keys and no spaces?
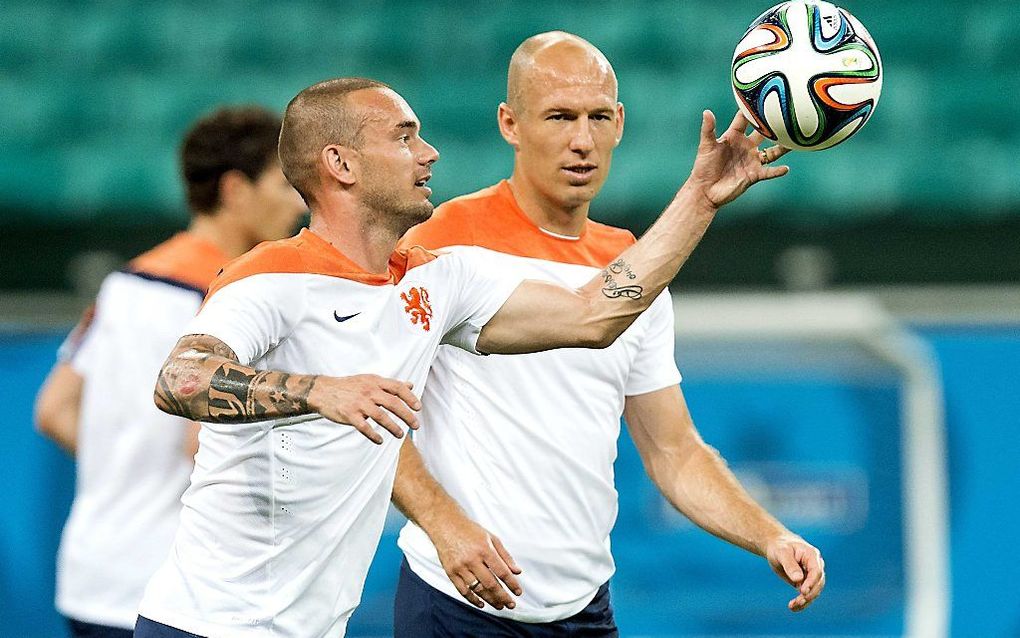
{"x":183,"y":259}
{"x":491,"y":218}
{"x":307,"y":253}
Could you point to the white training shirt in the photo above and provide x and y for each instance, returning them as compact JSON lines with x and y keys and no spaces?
{"x":131,"y":464}
{"x":283,"y":517}
{"x":526,"y":444}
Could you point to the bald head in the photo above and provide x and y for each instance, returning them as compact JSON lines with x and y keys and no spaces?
{"x":555,"y":56}
{"x":319,"y":116}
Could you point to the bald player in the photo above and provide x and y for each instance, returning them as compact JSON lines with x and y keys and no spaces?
{"x":306,"y":362}
{"x":511,"y":477}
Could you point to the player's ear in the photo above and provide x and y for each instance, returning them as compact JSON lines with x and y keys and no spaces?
{"x":619,"y":122}
{"x":507,"y":124}
{"x":234,"y":189}
{"x":339,"y":163}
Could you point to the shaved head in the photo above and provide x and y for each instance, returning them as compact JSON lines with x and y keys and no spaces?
{"x":317,"y":117}
{"x":559,"y":56}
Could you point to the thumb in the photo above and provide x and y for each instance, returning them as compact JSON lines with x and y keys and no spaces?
{"x":791,"y":568}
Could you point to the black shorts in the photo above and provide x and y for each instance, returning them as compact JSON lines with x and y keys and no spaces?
{"x":145,"y":628}
{"x":81,"y":629}
{"x":421,"y":611}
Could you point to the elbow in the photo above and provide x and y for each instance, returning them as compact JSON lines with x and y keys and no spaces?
{"x":597,"y":335}
{"x":163,"y":394}
{"x":45,"y":420}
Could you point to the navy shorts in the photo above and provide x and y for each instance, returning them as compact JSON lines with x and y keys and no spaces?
{"x":145,"y":628}
{"x":421,"y":611}
{"x":80,"y":629}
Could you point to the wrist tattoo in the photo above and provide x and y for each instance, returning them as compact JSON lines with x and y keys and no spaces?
{"x":612,"y":288}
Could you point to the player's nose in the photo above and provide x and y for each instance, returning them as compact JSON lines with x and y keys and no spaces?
{"x":429,"y":154}
{"x":582,"y":140}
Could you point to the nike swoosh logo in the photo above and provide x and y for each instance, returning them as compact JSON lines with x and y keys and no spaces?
{"x":344,"y":318}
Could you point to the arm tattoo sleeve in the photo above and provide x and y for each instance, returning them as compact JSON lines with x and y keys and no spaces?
{"x":612,"y":288}
{"x":203,"y":381}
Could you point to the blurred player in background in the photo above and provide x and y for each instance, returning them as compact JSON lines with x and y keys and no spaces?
{"x":133,"y":461}
{"x":302,"y":337}
{"x":517,"y":452}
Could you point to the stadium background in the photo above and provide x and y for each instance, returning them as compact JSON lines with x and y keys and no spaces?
{"x":920,"y":211}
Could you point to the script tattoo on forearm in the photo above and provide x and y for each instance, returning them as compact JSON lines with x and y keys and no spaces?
{"x":614,"y":289}
{"x":234,"y":394}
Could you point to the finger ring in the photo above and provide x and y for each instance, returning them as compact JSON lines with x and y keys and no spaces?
{"x":763,"y":156}
{"x":473,"y":586}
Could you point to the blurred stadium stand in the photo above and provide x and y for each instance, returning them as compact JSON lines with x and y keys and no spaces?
{"x":920,"y":211}
{"x":96,"y":95}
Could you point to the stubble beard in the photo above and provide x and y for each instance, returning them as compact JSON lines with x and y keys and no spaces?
{"x":389,"y":212}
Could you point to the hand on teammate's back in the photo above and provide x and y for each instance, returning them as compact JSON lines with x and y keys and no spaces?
{"x":801,"y":565}
{"x":471,"y":556}
{"x":355,"y":399}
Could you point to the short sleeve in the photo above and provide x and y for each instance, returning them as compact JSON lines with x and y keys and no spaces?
{"x":482,"y":287}
{"x":253,"y":315}
{"x":78,"y":347}
{"x":654,"y":366}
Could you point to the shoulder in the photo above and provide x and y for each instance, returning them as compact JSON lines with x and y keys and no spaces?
{"x":609,"y":237}
{"x":453,"y":222}
{"x":282,"y":256}
{"x":405,"y":259}
{"x":182,"y":260}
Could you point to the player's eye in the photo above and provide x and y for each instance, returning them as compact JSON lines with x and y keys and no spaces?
{"x":559,"y":117}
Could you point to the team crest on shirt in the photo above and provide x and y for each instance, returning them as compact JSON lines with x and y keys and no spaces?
{"x":417,"y":306}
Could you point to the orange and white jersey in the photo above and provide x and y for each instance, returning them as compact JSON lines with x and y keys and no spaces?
{"x":131,"y":466}
{"x":526,"y":444}
{"x":283,"y":517}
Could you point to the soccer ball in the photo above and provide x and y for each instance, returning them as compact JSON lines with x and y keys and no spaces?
{"x":807,"y":75}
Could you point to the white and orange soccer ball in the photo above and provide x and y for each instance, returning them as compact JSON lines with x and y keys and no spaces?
{"x":807,"y":75}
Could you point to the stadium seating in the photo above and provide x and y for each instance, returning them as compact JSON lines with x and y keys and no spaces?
{"x":97,"y":94}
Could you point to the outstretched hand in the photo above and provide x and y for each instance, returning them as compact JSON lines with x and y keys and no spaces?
{"x":800,"y":564}
{"x":727,"y":166}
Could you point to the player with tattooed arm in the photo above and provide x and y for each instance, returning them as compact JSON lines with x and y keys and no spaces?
{"x":307,"y":360}
{"x":133,"y":461}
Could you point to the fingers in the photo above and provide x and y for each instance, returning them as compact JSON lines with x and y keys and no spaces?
{"x":769,"y":155}
{"x":707,"y":127}
{"x":399,"y":409}
{"x":502,"y":566}
{"x":379,"y":416}
{"x":402,"y":389}
{"x":789,"y":568}
{"x":362,"y":425}
{"x":477,"y":584}
{"x":739,"y":123}
{"x":801,"y":601}
{"x":756,"y":137}
{"x":773,"y":172}
{"x":773,"y":153}
{"x":507,"y":558}
{"x":814,"y":582}
{"x":463,"y":581}
{"x":490,"y":589}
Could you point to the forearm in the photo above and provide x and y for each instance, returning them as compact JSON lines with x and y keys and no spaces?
{"x":628,"y":286}
{"x":58,"y":405}
{"x":418,"y":495}
{"x":203,"y":381}
{"x":699,"y":484}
